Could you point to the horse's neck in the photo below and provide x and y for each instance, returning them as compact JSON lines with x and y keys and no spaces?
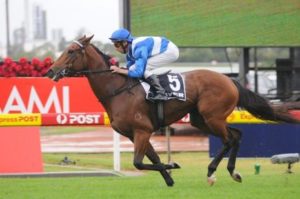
{"x":106,"y":84}
{"x":105,"y":89}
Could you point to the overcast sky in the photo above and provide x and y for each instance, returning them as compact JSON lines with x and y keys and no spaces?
{"x":98,"y":17}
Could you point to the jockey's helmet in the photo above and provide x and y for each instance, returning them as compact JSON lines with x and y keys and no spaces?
{"x":121,"y":34}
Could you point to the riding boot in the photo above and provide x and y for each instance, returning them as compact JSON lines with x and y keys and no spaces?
{"x":160,"y":91}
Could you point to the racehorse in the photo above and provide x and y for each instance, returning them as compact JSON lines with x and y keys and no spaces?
{"x":210,"y":98}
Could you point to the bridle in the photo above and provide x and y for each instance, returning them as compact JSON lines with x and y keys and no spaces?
{"x":67,"y":71}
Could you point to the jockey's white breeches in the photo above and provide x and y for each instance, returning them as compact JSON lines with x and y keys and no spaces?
{"x":169,"y":56}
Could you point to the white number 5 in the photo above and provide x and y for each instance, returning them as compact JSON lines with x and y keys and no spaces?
{"x":174,"y":83}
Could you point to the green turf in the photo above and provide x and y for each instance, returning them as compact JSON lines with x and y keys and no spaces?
{"x":219,"y":23}
{"x":190,"y":181}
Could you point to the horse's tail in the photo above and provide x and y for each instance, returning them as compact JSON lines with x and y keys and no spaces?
{"x":260,"y":108}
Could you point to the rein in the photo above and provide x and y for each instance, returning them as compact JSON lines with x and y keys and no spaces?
{"x":120,"y":90}
{"x":68,"y":72}
{"x":86,"y":72}
{"x":125,"y":87}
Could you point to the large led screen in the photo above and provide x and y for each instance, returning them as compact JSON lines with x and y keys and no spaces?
{"x":218,"y":23}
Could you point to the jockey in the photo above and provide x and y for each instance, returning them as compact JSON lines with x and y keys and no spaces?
{"x":144,"y":54}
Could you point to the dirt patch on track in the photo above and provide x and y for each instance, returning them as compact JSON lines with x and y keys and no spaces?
{"x":102,"y":141}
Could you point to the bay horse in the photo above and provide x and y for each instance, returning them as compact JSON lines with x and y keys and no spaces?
{"x":210,"y":98}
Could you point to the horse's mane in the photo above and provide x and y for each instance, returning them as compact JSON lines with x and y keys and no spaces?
{"x":103,"y":55}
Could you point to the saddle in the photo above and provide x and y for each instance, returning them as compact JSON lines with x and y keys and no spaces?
{"x":173,"y":83}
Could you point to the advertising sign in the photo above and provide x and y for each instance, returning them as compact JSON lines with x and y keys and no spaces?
{"x":62,"y":119}
{"x":31,"y":119}
{"x":42,"y":95}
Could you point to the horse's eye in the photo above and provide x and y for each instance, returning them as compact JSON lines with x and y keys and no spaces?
{"x":70,"y":51}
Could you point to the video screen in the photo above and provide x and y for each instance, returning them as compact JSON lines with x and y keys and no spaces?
{"x":218,"y":23}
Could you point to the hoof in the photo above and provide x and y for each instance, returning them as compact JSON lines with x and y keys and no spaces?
{"x":170,"y":183}
{"x":175,"y":165}
{"x":172,"y":165}
{"x":211,"y":180}
{"x":236,"y":177}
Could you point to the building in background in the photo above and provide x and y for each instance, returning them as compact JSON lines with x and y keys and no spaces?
{"x":35,"y":24}
{"x":57,"y":37}
{"x":39,"y":23}
{"x":19,"y":36}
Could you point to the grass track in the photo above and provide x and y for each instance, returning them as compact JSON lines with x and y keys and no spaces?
{"x":190,"y":181}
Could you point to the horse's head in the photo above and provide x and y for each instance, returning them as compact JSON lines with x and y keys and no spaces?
{"x":71,"y":60}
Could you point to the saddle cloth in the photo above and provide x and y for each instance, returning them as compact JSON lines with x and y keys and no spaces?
{"x":172,"y":82}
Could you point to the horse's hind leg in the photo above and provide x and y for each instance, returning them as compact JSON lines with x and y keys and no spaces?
{"x":211,"y":128}
{"x":218,"y":128}
{"x":230,"y":138}
{"x":212,"y":167}
{"x":235,"y":135}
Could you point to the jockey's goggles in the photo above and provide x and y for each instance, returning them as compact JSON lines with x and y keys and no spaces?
{"x":117,"y":44}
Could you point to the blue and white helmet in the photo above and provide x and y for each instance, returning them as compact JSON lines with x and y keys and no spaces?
{"x":121,"y":34}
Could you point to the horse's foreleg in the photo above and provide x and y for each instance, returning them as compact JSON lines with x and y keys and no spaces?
{"x":154,"y":158}
{"x":235,"y":136}
{"x":143,"y":146}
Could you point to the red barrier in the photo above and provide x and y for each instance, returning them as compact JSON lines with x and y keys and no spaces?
{"x":75,"y":119}
{"x":101,"y":118}
{"x":42,"y":95}
{"x":20,"y":146}
{"x":20,"y":150}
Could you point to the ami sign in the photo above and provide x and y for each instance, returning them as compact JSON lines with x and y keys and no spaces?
{"x":42,"y":95}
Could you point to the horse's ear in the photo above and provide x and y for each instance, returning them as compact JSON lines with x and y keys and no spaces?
{"x":88,"y":39}
{"x":82,"y":38}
